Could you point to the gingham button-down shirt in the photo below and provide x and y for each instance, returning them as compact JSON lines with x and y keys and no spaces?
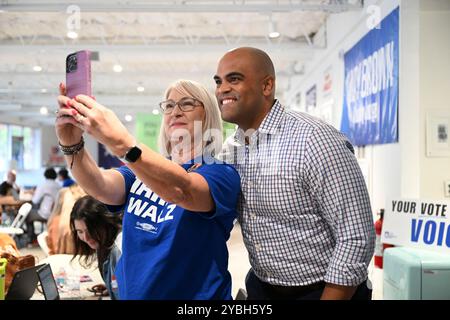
{"x":304,"y":207}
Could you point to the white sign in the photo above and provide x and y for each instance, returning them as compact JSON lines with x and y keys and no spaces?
{"x":417,"y":223}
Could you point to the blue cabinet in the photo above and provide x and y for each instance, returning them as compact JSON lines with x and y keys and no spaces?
{"x":415,"y":274}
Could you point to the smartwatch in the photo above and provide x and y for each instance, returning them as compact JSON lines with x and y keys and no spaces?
{"x":132,"y":155}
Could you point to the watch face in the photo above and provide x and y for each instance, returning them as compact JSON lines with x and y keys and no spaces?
{"x":133,"y":154}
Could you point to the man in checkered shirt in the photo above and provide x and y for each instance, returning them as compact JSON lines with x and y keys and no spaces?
{"x":304,"y":210}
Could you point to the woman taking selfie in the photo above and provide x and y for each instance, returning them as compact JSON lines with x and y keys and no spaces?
{"x":178,"y":213}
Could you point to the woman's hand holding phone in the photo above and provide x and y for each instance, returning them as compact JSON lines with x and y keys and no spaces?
{"x":68,"y":129}
{"x":79,"y":112}
{"x":78,"y":81}
{"x":102,"y":124}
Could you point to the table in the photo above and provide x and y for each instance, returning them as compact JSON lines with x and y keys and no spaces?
{"x":73,"y":268}
{"x":11,"y":230}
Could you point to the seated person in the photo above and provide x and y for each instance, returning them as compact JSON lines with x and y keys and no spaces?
{"x":43,"y":201}
{"x":9,"y":194}
{"x":63,"y":175}
{"x":9,"y":186}
{"x":59,"y":238}
{"x":96,"y":232}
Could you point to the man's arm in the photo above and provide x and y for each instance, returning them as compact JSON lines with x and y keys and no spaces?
{"x":335,"y":178}
{"x":37,"y":195}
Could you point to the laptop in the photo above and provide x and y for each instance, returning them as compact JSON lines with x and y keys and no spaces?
{"x":50,"y":288}
{"x":48,"y":283}
{"x":23,"y":284}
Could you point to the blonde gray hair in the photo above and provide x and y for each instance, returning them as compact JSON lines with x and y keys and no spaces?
{"x":211,"y":127}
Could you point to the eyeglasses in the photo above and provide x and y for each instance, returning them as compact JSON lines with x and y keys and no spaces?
{"x":186,"y":104}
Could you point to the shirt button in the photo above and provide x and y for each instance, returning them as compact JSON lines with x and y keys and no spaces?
{"x":258,"y":247}
{"x":252,"y":215}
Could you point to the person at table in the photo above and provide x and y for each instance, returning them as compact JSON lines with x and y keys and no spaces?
{"x":96,"y":233}
{"x":43,"y":201}
{"x":9,"y":187}
{"x":9,"y":197}
{"x":64,"y":177}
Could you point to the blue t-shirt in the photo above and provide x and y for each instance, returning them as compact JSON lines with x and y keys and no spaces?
{"x":68,"y":182}
{"x":172,"y":253}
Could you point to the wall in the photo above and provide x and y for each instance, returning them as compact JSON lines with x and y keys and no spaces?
{"x":409,"y":99}
{"x":434,"y":89}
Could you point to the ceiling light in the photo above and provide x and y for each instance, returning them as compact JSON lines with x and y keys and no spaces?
{"x":140,"y":89}
{"x":72,"y":35}
{"x":117,"y":68}
{"x":128,"y":118}
{"x":43,"y":90}
{"x":273,"y":33}
{"x":155,"y":112}
{"x":43,"y":110}
{"x":37,"y":68}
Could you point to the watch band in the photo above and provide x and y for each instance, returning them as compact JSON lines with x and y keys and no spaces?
{"x":132,"y":155}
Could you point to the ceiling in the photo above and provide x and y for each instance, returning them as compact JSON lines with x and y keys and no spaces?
{"x":155,"y":42}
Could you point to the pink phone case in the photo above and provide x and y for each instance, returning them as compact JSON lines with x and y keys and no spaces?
{"x":78,"y":74}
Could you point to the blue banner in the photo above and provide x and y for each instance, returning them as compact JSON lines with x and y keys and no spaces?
{"x":106,"y":160}
{"x":370,"y":111}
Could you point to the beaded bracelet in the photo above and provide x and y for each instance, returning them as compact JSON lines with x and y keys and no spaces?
{"x":72,"y":150}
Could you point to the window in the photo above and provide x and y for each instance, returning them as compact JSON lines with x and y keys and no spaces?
{"x":4,"y":147}
{"x":20,"y":145}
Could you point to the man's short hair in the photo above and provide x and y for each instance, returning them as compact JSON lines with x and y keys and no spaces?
{"x":63,"y":173}
{"x":50,"y":173}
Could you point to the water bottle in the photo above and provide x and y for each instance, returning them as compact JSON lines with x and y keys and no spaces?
{"x":73,"y":281}
{"x":61,"y":278}
{"x":3,"y":263}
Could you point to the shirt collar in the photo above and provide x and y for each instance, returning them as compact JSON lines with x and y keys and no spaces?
{"x":272,"y":121}
{"x":269,"y":125}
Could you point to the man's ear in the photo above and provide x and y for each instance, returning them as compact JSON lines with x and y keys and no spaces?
{"x":268,"y":85}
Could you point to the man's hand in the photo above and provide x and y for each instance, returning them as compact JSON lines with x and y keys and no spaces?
{"x":337,"y":292}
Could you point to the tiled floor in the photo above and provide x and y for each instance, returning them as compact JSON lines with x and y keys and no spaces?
{"x":239,"y":264}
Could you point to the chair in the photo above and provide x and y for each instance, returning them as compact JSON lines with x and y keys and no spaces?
{"x":42,"y":241}
{"x":24,"y":210}
{"x":18,"y":222}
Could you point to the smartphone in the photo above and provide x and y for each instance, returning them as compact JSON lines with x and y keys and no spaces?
{"x":78,"y":74}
